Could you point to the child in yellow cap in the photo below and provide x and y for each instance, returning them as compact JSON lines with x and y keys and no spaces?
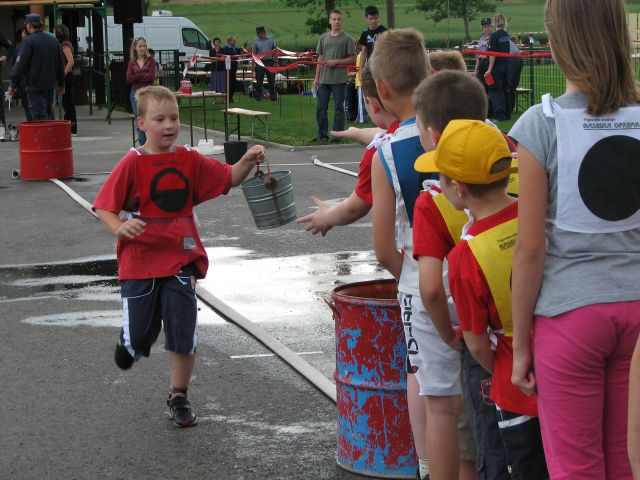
{"x":474,"y":162}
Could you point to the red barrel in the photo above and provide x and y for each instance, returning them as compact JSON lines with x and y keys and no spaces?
{"x":374,"y":433}
{"x":45,"y":150}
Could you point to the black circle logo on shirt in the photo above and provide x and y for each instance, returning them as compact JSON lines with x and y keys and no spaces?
{"x":174,"y":198}
{"x":609,"y":178}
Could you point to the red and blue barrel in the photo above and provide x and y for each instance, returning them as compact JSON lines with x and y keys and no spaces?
{"x":374,"y":433}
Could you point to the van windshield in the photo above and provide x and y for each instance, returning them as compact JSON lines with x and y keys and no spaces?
{"x":193,"y":38}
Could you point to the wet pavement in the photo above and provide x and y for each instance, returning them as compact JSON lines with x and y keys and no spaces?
{"x":73,"y":414}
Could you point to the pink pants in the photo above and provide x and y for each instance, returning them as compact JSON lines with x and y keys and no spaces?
{"x":581,"y":361}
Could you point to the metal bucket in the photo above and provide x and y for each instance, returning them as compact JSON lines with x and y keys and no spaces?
{"x":270,"y":205}
{"x":374,"y":433}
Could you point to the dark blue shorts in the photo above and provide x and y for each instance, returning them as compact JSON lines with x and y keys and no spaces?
{"x":150,"y":303}
{"x":523,"y":445}
{"x":491,"y":462}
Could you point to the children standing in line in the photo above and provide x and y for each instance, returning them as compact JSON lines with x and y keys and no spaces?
{"x":474,"y":162}
{"x":445,"y":96}
{"x":359,"y":202}
{"x":160,"y":254}
{"x":577,"y":262}
{"x":398,"y":64}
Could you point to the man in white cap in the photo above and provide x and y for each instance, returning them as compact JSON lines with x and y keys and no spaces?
{"x":40,"y":61}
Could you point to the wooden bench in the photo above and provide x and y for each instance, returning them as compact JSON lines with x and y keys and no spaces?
{"x":525,"y":94}
{"x":262,"y":117}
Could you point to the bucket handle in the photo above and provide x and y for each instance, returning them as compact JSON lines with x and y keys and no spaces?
{"x":336,"y":312}
{"x":267,"y":180}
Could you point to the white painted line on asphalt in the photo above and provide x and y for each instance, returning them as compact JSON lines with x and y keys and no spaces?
{"x":258,"y":355}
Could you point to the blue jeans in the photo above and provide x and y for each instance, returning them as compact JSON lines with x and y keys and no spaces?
{"x":142,"y":137}
{"x":40,"y":104}
{"x":325,"y":90}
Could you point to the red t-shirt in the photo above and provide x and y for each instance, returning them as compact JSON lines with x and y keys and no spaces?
{"x":167,"y":244}
{"x":363,"y":187}
{"x":477,"y":311}
{"x":431,"y":237}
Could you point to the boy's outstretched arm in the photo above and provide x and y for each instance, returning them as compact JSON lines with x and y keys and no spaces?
{"x":364,"y":136}
{"x":633,"y":436}
{"x":434,"y":299}
{"x":254,"y":156}
{"x":128,"y":229}
{"x":384,"y":219}
{"x":344,"y":213}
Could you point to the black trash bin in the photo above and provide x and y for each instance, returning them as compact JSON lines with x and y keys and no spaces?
{"x":233,"y":151}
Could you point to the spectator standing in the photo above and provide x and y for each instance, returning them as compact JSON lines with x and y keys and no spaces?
{"x":4,"y":42}
{"x":141,"y":73}
{"x":264,"y":43}
{"x":336,"y":49}
{"x":218,"y":73}
{"x":370,"y":34}
{"x":40,"y":60}
{"x":498,"y":71}
{"x":62,"y":34}
{"x":231,"y":49}
{"x":482,"y":61}
{"x":515,"y":69}
{"x":21,"y":88}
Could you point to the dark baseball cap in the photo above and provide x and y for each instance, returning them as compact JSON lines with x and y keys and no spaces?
{"x":33,"y":18}
{"x":260,"y":29}
{"x":486,"y":21}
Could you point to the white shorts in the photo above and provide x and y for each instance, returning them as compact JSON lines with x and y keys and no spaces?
{"x":434,"y":363}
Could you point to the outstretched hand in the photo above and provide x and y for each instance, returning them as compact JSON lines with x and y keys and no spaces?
{"x":318,"y":221}
{"x":364,"y":136}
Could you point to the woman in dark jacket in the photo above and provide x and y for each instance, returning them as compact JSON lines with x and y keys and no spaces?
{"x":218,"y":72}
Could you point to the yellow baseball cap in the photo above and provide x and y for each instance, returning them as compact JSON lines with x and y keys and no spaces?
{"x":466,"y":152}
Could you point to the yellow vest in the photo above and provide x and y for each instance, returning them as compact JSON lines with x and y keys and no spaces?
{"x":453,"y":219}
{"x":493,"y":250}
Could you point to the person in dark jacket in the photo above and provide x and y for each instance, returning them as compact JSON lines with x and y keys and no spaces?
{"x":231,"y":49}
{"x":40,"y":60}
{"x":4,"y":42}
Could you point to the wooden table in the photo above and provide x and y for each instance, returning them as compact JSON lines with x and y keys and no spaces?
{"x":203,"y":96}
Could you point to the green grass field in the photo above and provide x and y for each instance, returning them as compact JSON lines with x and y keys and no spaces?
{"x":293,"y":118}
{"x":223,"y":18}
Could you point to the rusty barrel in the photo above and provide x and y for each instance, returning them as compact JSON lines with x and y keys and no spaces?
{"x":374,"y":433}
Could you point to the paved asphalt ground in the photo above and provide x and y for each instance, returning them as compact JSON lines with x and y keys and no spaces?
{"x":68,"y":412}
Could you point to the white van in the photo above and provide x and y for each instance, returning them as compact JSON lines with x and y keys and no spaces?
{"x":163,"y":32}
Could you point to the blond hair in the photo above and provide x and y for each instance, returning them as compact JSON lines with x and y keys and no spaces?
{"x":500,"y":21}
{"x":153,"y":93}
{"x":133,"y":53}
{"x":601,"y":69}
{"x":447,"y":60}
{"x":449,"y":95}
{"x":400,"y":59}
